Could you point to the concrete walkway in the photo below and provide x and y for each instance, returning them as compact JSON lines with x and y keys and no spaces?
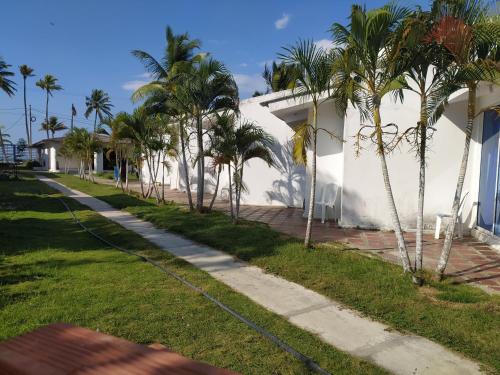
{"x":341,"y":327}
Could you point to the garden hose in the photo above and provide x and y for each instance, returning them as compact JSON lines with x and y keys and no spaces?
{"x":308,"y":362}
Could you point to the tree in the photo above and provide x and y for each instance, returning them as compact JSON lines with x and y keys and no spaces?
{"x":53,"y":125}
{"x":364,"y":72}
{"x":250,"y":142}
{"x":208,"y":88}
{"x":427,"y":70}
{"x":313,"y":73}
{"x":472,"y":39}
{"x":279,"y":77}
{"x":82,"y":143}
{"x":49,"y":85}
{"x":6,"y":84}
{"x":163,"y":92}
{"x":26,"y":72}
{"x":98,"y":102}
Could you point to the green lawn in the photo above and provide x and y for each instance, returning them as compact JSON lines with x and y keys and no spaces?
{"x":461,"y":317}
{"x":52,"y":271}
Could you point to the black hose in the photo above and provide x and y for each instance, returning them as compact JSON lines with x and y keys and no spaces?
{"x":276,"y":340}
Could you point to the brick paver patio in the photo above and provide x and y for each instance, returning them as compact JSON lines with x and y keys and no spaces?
{"x":471,"y":261}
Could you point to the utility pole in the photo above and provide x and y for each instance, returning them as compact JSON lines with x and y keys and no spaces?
{"x":30,"y":140}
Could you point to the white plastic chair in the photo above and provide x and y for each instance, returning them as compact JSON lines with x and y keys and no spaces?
{"x":328,"y":197}
{"x":440,"y":217}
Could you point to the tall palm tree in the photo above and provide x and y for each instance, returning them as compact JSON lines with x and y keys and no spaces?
{"x":6,"y":84}
{"x":53,"y":125}
{"x":429,"y":75}
{"x":314,"y":75}
{"x":98,"y":102}
{"x":26,"y":72}
{"x":279,"y":77}
{"x":472,"y":38}
{"x":250,"y":142}
{"x":163,"y":92}
{"x":208,"y":88}
{"x":49,"y":85}
{"x":365,"y":71}
{"x":222,"y":150}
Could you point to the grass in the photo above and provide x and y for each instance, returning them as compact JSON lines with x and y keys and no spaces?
{"x":461,"y":317}
{"x":109,"y":175}
{"x":52,"y":271}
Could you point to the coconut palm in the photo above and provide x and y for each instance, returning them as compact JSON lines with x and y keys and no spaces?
{"x":313,"y":73}
{"x":429,"y":75}
{"x":6,"y":84}
{"x":364,"y":72}
{"x":26,"y":72}
{"x":206,"y":88}
{"x":163,"y":92}
{"x":49,"y":85}
{"x":53,"y":125}
{"x":98,"y":102}
{"x":472,"y":38}
{"x":279,"y":77}
{"x":250,"y":142}
{"x":222,"y":150}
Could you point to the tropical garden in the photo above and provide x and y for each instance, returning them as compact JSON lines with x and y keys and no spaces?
{"x":189,"y":112}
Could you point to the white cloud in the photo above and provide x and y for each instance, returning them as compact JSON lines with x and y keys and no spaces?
{"x":282,"y":22}
{"x":243,"y":65}
{"x":324,"y":43}
{"x":248,"y":84}
{"x":145,"y":75}
{"x":133,"y":85}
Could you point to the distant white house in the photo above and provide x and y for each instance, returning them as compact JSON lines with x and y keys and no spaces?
{"x":361,"y":198}
{"x":50,"y":160}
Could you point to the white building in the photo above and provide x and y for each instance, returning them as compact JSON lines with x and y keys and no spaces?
{"x":50,"y":160}
{"x":361,"y":200}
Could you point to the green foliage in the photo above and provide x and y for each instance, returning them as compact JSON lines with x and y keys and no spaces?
{"x":6,"y":84}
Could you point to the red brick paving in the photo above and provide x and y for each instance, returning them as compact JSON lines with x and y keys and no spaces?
{"x":470,"y":261}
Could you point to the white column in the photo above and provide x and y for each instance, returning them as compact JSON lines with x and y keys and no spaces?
{"x":98,"y":162}
{"x":52,"y":159}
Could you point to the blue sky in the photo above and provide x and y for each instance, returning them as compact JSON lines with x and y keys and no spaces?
{"x":87,"y":44}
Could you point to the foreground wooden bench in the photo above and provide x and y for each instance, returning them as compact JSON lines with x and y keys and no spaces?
{"x":60,"y":349}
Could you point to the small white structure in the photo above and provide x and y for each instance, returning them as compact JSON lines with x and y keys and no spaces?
{"x":50,"y":159}
{"x":361,"y":200}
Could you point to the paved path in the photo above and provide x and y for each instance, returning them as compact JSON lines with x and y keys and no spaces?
{"x":470,"y":261}
{"x":341,"y":327}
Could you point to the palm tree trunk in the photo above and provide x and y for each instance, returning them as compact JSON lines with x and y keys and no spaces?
{"x":403,"y":251}
{"x":139,"y":164}
{"x":201,"y":165}
{"x":26,"y":118}
{"x":450,"y":230}
{"x":230,"y":192}
{"x":126,"y":174}
{"x":422,"y":133}
{"x":216,"y":188}
{"x":47,"y":114}
{"x":185,"y":166}
{"x":238,"y":194}
{"x":312,"y":193}
{"x":95,"y":120}
{"x":163,"y":180}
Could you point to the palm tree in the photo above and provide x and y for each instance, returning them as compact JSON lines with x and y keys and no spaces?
{"x":53,"y":125}
{"x":208,"y":88}
{"x":427,"y":69}
{"x":313,"y":73}
{"x":26,"y":72}
{"x":48,"y":84}
{"x":163,"y":91}
{"x":471,"y":37}
{"x":364,"y":72}
{"x":279,"y":77}
{"x":98,"y":102}
{"x":6,"y":84}
{"x":222,"y":150}
{"x":250,"y":142}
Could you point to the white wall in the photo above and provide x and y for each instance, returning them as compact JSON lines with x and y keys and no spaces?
{"x":364,"y":198}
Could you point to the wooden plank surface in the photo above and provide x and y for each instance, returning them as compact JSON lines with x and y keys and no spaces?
{"x":61,"y":349}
